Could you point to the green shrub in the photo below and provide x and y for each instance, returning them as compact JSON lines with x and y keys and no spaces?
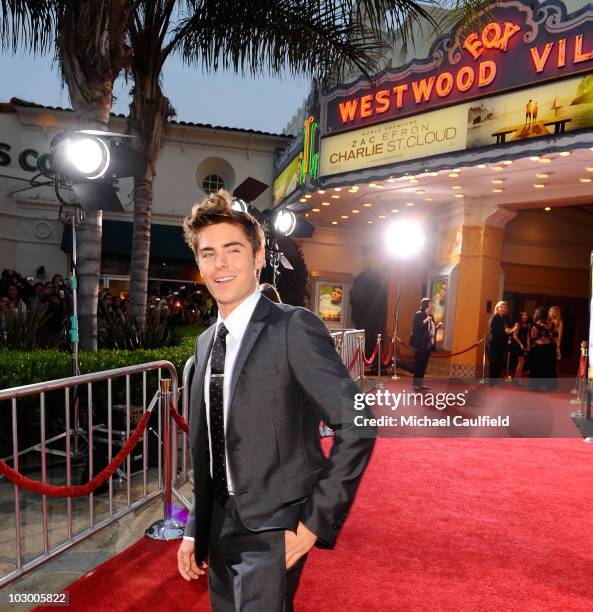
{"x":29,"y":333}
{"x":119,"y":332}
{"x":26,"y":367}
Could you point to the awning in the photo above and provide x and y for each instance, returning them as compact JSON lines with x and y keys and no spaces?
{"x":166,"y":241}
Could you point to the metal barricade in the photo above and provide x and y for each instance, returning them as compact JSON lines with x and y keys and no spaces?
{"x":337,"y":337}
{"x":180,"y":440}
{"x":354,"y":339}
{"x":347,"y":342}
{"x":76,"y":523}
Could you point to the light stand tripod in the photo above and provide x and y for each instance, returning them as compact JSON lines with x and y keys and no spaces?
{"x":72,"y":214}
{"x":396,"y":325}
{"x":276,"y":258}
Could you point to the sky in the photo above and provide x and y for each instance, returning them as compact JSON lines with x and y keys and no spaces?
{"x":223,"y":98}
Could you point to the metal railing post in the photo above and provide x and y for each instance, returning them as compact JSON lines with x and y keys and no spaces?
{"x":168,"y":528}
{"x":483,"y":380}
{"x":395,"y":376}
{"x":379,"y":384}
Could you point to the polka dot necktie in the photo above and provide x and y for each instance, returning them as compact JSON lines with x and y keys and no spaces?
{"x":219,"y":481}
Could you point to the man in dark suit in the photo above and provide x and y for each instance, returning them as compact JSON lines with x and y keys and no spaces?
{"x":422,"y":340}
{"x":266,"y":375}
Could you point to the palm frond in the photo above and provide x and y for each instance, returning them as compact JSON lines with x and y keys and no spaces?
{"x":467,"y":14}
{"x":303,"y":36}
{"x":29,"y":24}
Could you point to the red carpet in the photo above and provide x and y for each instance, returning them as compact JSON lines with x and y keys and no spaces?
{"x":439,"y":524}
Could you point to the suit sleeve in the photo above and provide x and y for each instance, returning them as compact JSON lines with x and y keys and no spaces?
{"x":190,"y":526}
{"x":326,"y":382}
{"x":418,"y":327}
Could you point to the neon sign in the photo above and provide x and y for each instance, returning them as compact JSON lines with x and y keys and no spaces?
{"x":494,"y":36}
{"x":517,"y":47}
{"x":310,"y":163}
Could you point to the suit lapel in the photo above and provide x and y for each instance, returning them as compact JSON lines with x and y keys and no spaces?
{"x":203,"y":351}
{"x":254,"y":328}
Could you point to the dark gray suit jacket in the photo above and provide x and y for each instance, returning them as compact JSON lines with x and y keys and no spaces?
{"x":287,"y":377}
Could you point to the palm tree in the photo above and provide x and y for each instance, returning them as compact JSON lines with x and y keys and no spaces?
{"x":254,"y":36}
{"x":89,"y":40}
{"x":96,"y":39}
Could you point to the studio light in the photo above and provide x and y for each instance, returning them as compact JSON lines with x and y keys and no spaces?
{"x":240,"y":205}
{"x":77,"y":155}
{"x":89,"y":162}
{"x":88,"y":156}
{"x":285,"y":222}
{"x":404,"y":239}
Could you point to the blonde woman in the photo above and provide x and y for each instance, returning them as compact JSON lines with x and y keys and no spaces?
{"x":555,"y":317}
{"x":499,"y":329}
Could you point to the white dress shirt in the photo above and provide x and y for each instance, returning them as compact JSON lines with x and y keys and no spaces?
{"x":236,"y":324}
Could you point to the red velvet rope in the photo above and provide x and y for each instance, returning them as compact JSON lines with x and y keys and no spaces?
{"x":370,"y":360}
{"x":440,"y":355}
{"x":354,"y":359}
{"x":582,"y":367}
{"x":181,"y":422}
{"x":78,"y":490}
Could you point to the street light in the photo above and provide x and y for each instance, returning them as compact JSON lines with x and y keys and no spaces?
{"x":403,"y":240}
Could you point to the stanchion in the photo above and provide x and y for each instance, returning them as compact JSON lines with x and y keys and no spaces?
{"x":578,"y":390}
{"x":360,"y":361}
{"x":379,"y":384}
{"x":363,"y":380}
{"x":580,"y":384}
{"x":168,"y":528}
{"x":508,"y":378}
{"x":395,"y":375}
{"x":483,"y":380}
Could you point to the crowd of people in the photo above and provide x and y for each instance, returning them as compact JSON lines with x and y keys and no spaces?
{"x":532,"y":345}
{"x":182,"y":306}
{"x":44,"y":307}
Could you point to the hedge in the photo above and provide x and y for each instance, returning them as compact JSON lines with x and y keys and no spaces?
{"x":26,"y":367}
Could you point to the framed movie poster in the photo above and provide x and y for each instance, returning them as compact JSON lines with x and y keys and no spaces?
{"x":442,"y":290}
{"x":439,"y":297}
{"x":331,"y":302}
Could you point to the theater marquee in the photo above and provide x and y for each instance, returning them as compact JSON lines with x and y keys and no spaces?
{"x":430,"y":134}
{"x":513,"y":45}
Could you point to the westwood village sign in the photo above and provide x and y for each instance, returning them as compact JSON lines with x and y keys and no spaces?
{"x":501,"y":81}
{"x":519,"y":47}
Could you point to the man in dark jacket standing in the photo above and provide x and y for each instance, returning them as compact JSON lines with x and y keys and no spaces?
{"x":422,"y":340}
{"x":266,"y":375}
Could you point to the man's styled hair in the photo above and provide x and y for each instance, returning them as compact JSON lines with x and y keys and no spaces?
{"x":217,"y":208}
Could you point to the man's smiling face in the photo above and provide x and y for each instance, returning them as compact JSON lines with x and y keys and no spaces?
{"x":227,"y":264}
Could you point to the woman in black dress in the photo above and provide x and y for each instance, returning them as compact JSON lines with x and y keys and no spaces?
{"x":497,"y":340}
{"x":542,"y":371}
{"x":521,"y":344}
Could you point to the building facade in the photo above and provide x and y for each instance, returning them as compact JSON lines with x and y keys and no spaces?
{"x":485,"y":141}
{"x":195,"y":159}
